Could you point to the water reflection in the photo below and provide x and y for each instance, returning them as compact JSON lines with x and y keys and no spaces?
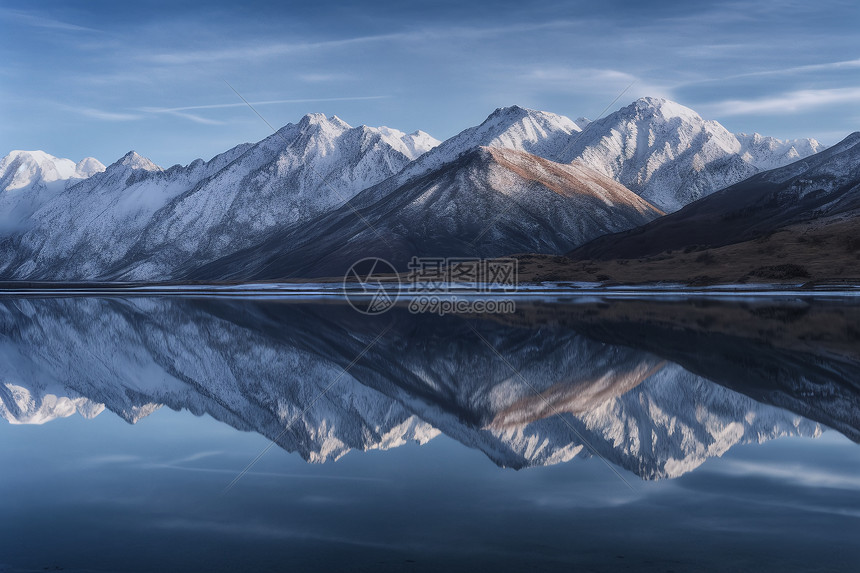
{"x":654,"y":387}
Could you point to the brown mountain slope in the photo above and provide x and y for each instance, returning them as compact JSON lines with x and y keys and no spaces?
{"x":816,"y":251}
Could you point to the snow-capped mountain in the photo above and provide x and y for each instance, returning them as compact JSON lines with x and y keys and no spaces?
{"x":488,"y":202}
{"x":138,"y":221}
{"x":28,"y":179}
{"x":260,"y":366}
{"x":537,"y":132}
{"x":820,"y":191}
{"x":770,"y":153}
{"x":669,"y":155}
{"x":25,"y":170}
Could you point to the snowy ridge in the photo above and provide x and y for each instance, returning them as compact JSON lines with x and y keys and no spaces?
{"x":671,"y":156}
{"x":138,"y":221}
{"x":769,"y":153}
{"x":537,"y":132}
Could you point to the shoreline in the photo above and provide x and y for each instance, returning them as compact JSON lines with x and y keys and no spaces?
{"x":331,"y":289}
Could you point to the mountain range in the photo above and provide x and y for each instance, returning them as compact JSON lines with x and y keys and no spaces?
{"x":317,"y":195}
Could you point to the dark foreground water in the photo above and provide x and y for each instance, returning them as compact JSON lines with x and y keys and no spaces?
{"x":585,"y":435}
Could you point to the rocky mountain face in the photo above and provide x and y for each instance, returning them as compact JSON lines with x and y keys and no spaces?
{"x":263,"y":366}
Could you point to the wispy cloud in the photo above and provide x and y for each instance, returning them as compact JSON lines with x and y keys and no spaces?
{"x":39,"y":21}
{"x":592,"y":80}
{"x":270,"y":49}
{"x":829,"y":66}
{"x":786,"y":71}
{"x":182,"y":114}
{"x":259,"y":103}
{"x":105,"y":115}
{"x":184,"y":111}
{"x":784,"y":103}
{"x":254,"y":52}
{"x":321,"y":78}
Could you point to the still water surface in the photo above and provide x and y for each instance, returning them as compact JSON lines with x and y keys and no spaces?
{"x":586,"y":435}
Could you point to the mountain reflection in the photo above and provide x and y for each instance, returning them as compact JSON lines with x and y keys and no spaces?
{"x":654,"y":387}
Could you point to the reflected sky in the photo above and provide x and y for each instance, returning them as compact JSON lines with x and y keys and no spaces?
{"x":97,"y":495}
{"x":764,"y":486}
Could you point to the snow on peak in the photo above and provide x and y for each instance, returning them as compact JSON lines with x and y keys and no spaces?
{"x":537,"y":132}
{"x":89,"y":166}
{"x":411,"y":145}
{"x":133,"y":160}
{"x":320,"y":120}
{"x":770,"y":153}
{"x":419,"y":142}
{"x":513,"y":111}
{"x":663,"y":106}
{"x":36,"y":169}
{"x":671,"y":156}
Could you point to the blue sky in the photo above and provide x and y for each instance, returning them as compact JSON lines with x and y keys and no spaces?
{"x":100,"y":78}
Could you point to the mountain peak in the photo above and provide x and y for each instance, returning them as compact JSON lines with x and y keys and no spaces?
{"x":651,"y":101}
{"x":89,"y":166}
{"x":321,"y":119}
{"x":29,"y":169}
{"x":510,"y":110}
{"x":655,"y":106}
{"x":515,"y":113}
{"x":133,"y":160}
{"x":538,"y":124}
{"x":36,"y":155}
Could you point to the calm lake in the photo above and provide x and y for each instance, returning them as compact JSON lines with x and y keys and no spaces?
{"x":179,"y":433}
